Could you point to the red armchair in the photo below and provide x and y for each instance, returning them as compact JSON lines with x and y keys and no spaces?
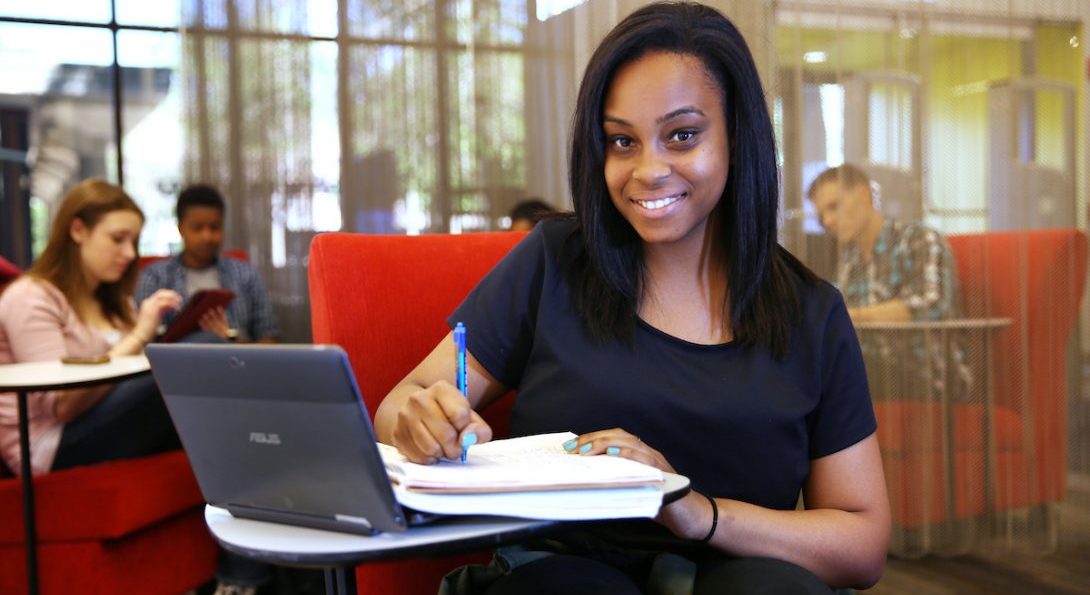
{"x":8,"y":271}
{"x":1035,"y":279}
{"x":385,"y":299}
{"x":134,"y":526}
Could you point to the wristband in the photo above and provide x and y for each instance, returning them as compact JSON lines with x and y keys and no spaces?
{"x":715,"y":519}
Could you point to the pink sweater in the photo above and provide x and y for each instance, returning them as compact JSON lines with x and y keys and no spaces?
{"x":37,"y":324}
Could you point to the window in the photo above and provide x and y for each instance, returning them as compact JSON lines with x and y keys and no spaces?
{"x":151,"y":142}
{"x":383,"y":116}
{"x":420,"y":103}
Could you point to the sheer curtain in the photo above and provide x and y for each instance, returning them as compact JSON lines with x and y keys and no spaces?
{"x":352,"y":115}
{"x":247,"y":70}
{"x":969,"y":116}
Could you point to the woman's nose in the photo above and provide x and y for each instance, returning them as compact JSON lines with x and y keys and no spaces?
{"x":651,"y":167}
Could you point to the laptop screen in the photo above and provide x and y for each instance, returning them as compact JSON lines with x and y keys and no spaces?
{"x":277,"y":432}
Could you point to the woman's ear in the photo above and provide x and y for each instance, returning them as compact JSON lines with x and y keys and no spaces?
{"x":78,"y":231}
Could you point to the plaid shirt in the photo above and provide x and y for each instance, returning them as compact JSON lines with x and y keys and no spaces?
{"x":913,"y":263}
{"x":250,"y":313}
{"x":910,"y":262}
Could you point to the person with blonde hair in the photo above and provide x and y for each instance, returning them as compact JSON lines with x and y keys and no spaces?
{"x":890,"y":270}
{"x":77,"y":300}
{"x":893,"y":271}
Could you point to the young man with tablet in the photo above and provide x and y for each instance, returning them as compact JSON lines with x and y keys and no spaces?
{"x":199,"y":267}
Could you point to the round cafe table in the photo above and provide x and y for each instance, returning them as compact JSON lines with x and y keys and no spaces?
{"x":30,"y":377}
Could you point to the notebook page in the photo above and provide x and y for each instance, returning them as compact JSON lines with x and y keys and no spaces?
{"x":526,"y":463}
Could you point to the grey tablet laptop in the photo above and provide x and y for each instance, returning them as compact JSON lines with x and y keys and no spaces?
{"x":279,"y":433}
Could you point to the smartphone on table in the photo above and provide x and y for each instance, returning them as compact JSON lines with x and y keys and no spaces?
{"x":86,"y":360}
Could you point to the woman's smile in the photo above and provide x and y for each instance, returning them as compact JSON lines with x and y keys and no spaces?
{"x":658,"y":206}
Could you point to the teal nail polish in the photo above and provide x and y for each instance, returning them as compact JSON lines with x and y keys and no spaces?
{"x":571,"y":444}
{"x":613,"y":451}
{"x":585,"y":448}
{"x":468,"y":439}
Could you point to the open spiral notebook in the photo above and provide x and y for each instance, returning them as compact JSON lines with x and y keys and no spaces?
{"x":531,"y":477}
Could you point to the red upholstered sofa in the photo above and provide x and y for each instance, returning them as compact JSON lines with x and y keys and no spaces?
{"x":385,"y":300}
{"x":1035,"y":279}
{"x":134,"y":526}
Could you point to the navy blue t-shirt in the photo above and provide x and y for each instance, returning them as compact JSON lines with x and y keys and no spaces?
{"x":738,"y":422}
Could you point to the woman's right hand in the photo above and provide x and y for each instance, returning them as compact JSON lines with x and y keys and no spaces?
{"x":152,"y":310}
{"x":435,"y":422}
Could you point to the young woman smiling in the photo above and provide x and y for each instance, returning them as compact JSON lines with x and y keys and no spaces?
{"x":663,"y":323}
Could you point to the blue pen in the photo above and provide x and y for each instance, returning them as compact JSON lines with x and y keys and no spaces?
{"x":460,"y":376}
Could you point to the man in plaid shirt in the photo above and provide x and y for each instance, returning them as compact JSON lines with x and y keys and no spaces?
{"x":892,"y":271}
{"x":249,"y":317}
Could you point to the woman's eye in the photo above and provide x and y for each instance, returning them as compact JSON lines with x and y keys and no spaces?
{"x":683,"y":136}
{"x":620,"y":142}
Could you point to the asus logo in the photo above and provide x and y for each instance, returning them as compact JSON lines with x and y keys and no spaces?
{"x":263,"y":438}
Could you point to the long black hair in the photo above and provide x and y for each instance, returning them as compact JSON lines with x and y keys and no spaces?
{"x":606,"y":277}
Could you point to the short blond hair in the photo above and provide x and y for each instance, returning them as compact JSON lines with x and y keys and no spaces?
{"x":848,"y":175}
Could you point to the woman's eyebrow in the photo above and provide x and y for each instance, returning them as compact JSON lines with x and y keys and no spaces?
{"x":681,"y":111}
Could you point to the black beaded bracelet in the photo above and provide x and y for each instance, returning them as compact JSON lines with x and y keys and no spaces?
{"x":715,"y":519}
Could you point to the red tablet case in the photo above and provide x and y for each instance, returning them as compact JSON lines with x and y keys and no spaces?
{"x":187,"y":320}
